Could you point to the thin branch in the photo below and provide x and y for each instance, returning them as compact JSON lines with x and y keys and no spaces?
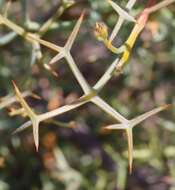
{"x":90,"y":94}
{"x":108,"y":109}
{"x":82,"y":82}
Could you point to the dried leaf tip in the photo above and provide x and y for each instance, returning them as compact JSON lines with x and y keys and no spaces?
{"x":33,"y":95}
{"x":101,"y":31}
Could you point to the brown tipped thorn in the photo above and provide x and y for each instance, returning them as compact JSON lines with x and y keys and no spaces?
{"x":36,"y":96}
{"x":47,"y":67}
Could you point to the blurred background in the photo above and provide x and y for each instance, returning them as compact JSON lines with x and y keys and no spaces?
{"x":74,"y":152}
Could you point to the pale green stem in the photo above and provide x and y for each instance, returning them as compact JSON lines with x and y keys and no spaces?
{"x":108,"y":109}
{"x":84,"y":85}
{"x":106,"y":76}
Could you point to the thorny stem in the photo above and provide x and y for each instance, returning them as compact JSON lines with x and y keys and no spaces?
{"x":27,"y":35}
{"x":125,"y":124}
{"x":19,"y":30}
{"x":57,"y":48}
{"x":120,"y":21}
{"x":140,"y":24}
{"x":32,"y":37}
{"x":36,"y":50}
{"x":96,"y":100}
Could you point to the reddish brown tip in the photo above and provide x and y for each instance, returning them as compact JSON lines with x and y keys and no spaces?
{"x":105,"y":131}
{"x":82,"y":14}
{"x":167,"y":106}
{"x":37,"y":148}
{"x":130,"y":169}
{"x":14,"y":84}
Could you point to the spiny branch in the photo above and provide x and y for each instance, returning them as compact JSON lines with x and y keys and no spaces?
{"x":90,"y":93}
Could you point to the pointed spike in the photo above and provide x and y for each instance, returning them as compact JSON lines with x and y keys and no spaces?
{"x":33,"y":95}
{"x":130,"y":148}
{"x":121,"y":12}
{"x":142,"y":117}
{"x":56,"y":58}
{"x":14,"y":85}
{"x":115,"y":126}
{"x":22,"y":101}
{"x":47,"y":67}
{"x":36,"y":134}
{"x":116,"y":29}
{"x":74,"y":33}
{"x":22,"y":127}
